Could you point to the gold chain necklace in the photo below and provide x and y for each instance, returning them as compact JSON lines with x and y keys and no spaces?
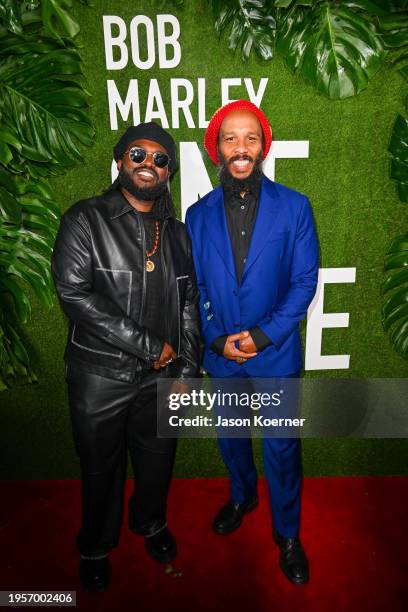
{"x":149,"y":262}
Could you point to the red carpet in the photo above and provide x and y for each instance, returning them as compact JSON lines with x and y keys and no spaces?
{"x":354,"y":530}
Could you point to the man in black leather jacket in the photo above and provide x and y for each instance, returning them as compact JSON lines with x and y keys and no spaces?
{"x":124,"y":275}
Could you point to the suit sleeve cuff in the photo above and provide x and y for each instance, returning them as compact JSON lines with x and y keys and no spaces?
{"x":261,"y":340}
{"x":219,"y":344}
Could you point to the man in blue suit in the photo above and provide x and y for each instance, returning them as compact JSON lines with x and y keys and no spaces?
{"x":256,"y":257}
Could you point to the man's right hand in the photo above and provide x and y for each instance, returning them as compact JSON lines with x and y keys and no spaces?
{"x":167,"y":355}
{"x":231,"y":351}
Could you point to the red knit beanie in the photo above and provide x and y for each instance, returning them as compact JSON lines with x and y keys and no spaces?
{"x":211,"y":134}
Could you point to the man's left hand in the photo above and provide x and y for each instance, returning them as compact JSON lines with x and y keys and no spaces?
{"x":246,"y":344}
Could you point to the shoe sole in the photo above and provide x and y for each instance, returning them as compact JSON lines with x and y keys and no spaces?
{"x":250,"y":508}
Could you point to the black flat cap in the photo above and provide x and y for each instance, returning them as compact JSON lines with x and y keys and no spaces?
{"x":147,"y":131}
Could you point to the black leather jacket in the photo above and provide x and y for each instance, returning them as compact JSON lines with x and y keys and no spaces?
{"x":99,"y":271}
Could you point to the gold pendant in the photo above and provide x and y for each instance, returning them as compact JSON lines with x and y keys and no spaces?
{"x":149,"y":265}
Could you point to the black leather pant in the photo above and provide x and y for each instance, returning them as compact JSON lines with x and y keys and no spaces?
{"x":108,"y":417}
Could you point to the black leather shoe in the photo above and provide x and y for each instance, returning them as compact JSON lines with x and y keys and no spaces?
{"x":95,"y":574}
{"x":229,"y":518}
{"x":293,"y":560}
{"x":161,"y":546}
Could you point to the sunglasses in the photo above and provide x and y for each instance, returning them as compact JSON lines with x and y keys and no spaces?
{"x":138,"y":156}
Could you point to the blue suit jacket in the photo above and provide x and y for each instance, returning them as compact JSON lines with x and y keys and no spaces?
{"x":277,"y":285}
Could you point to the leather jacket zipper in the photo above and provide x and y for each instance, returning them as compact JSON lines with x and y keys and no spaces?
{"x":166,"y":293}
{"x":141,"y":225}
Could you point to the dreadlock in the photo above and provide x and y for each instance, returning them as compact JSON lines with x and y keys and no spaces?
{"x":163,"y":206}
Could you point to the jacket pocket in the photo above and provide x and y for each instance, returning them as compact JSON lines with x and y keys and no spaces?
{"x":118,"y":284}
{"x":91,"y":343}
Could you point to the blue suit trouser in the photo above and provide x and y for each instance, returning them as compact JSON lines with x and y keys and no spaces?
{"x":283,"y":471}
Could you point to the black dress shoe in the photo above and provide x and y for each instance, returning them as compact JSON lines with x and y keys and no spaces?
{"x":95,"y":574}
{"x":293,"y":560}
{"x":161,"y":546}
{"x":229,"y":518}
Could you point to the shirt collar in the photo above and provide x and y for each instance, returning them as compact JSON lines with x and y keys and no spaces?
{"x":116,"y":203}
{"x":233,"y":197}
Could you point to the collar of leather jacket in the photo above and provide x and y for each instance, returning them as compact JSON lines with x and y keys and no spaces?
{"x":116,"y":202}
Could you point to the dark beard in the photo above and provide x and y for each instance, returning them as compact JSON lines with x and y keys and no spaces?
{"x":145,"y":194}
{"x":251,"y":183}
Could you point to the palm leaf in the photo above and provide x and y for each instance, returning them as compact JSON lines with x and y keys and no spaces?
{"x":399,"y":149}
{"x":14,"y":359}
{"x":394,"y":30}
{"x":43,"y":105}
{"x":54,"y":14}
{"x":395,"y":290}
{"x":334,"y":45}
{"x":10,"y":15}
{"x":55,"y":17}
{"x":288,"y":3}
{"x":28,"y":225}
{"x":44,"y":119}
{"x":249,"y":23}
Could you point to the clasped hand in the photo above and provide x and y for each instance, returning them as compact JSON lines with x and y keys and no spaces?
{"x":246,"y":350}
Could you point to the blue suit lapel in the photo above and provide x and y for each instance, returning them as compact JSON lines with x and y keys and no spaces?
{"x":216,"y":223}
{"x":268,"y":212}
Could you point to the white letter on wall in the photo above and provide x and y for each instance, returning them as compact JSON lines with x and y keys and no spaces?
{"x":225,"y":87}
{"x":114,"y":41}
{"x":153,"y":98}
{"x":284,"y":149}
{"x":317,"y":320}
{"x":194,"y":180}
{"x":168,"y":40}
{"x":178,"y":105}
{"x":116,"y":104}
{"x":134,"y":36}
{"x":256,"y":98}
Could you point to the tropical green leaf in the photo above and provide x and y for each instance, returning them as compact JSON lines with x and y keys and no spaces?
{"x":249,"y":23}
{"x":399,"y":149}
{"x":287,"y":3}
{"x":43,"y":105}
{"x":334,"y":45}
{"x":8,"y":141}
{"x":55,"y":17}
{"x":393,"y":23}
{"x":10,"y":15}
{"x":395,"y":290}
{"x":14,"y":359}
{"x":21,"y":301}
{"x":28,"y":225}
{"x":394,"y":28}
{"x":44,"y":119}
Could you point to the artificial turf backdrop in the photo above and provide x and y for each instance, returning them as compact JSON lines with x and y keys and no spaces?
{"x":357,"y":213}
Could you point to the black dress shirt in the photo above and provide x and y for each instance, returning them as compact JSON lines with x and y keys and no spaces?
{"x":241,"y":215}
{"x":153,"y":312}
